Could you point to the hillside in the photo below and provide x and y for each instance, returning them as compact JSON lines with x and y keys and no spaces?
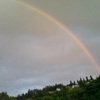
{"x":82,"y":89}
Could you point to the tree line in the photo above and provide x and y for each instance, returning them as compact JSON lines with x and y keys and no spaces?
{"x":83,"y":89}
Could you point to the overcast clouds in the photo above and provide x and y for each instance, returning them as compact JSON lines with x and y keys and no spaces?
{"x":34,"y":52}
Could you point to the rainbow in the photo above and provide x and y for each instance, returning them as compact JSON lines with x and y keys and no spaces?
{"x":69,"y":32}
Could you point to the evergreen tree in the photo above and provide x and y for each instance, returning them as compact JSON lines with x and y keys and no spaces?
{"x":87,"y":80}
{"x":91,"y":78}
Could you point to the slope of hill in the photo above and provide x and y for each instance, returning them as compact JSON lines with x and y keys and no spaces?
{"x":83,"y":89}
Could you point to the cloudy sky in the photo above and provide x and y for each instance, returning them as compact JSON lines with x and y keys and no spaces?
{"x":35,"y":52}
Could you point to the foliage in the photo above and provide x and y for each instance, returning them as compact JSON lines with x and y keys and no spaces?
{"x":83,"y":89}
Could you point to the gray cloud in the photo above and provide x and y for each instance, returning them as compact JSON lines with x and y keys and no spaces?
{"x":34,"y":52}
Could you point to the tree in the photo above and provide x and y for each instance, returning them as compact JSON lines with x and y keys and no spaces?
{"x":4,"y":96}
{"x":91,"y":78}
{"x":87,"y":80}
{"x":71,"y":84}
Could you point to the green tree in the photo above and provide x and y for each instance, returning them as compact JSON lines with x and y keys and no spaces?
{"x":4,"y":96}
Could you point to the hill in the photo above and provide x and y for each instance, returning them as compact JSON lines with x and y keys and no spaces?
{"x":82,"y":89}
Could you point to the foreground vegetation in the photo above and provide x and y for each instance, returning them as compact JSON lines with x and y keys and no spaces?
{"x":83,"y":89}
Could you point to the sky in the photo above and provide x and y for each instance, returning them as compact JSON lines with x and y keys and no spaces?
{"x":35,"y":52}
